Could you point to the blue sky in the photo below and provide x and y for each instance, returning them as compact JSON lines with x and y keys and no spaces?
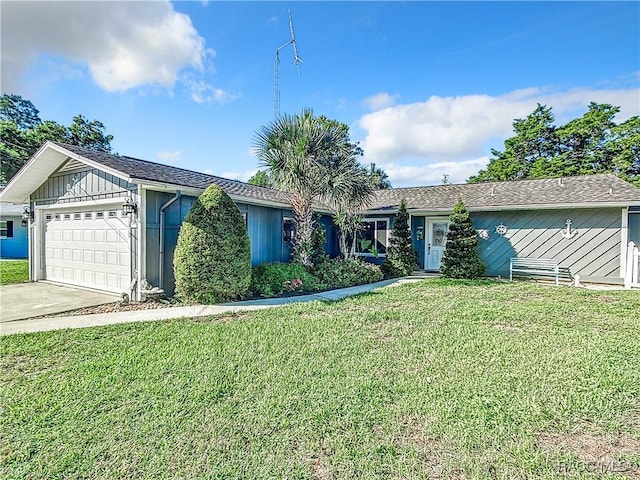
{"x":427,"y":88}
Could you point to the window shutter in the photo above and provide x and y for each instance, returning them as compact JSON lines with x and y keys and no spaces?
{"x":9,"y":228}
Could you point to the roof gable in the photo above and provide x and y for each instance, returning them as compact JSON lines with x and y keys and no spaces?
{"x":52,"y":156}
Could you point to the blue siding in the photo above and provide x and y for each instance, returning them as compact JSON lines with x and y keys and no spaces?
{"x":418,"y":225}
{"x":634,"y":227}
{"x":18,"y":245}
{"x":264,"y":226}
{"x":174,"y":215}
{"x":265,"y":233}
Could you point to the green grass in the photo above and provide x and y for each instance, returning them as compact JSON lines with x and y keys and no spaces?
{"x":437,"y":379}
{"x":14,"y":271}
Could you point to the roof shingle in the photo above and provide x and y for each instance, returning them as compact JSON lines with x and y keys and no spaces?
{"x":141,"y":170}
{"x":598,"y":190}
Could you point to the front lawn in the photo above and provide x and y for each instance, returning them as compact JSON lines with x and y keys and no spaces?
{"x":14,"y":271}
{"x":437,"y":379}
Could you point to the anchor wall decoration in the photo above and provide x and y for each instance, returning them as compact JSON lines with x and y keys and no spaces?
{"x":568,"y":233}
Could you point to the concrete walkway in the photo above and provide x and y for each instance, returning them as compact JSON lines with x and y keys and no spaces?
{"x":82,"y":321}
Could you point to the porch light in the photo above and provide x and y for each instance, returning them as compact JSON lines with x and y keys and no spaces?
{"x":26,"y":216}
{"x":129,"y":206}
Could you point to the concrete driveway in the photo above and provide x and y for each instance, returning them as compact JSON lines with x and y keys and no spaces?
{"x":26,"y":300}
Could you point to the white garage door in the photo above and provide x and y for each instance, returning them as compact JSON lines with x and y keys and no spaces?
{"x":88,"y":248}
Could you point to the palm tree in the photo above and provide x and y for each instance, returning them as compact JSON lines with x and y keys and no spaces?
{"x":378,"y":177}
{"x":300,"y":152}
{"x":350,"y":192}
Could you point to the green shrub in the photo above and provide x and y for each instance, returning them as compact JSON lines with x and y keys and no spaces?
{"x":340,"y":272}
{"x":212,"y":259}
{"x":461,"y":258}
{"x":269,"y":279}
{"x":402,"y":258}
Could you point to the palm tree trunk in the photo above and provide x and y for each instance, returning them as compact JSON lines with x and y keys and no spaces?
{"x":303,"y":216}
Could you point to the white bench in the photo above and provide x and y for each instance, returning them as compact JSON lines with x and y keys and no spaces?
{"x":534,"y":267}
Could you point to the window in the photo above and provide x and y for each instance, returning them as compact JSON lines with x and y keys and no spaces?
{"x":6,"y":228}
{"x":99,"y":214}
{"x":113,"y":214}
{"x":88,"y":215}
{"x":67,"y":216}
{"x":76,"y":216}
{"x":288,"y":229}
{"x":372,"y":233}
{"x":48,"y":216}
{"x":245,"y":218}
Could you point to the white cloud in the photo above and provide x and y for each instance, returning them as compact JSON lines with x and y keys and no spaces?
{"x":419,"y":138}
{"x":432,"y":173}
{"x":380,"y":101}
{"x":123,"y":44}
{"x":202,"y":92}
{"x":170,"y":156}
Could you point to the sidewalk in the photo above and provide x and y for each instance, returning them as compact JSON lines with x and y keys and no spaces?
{"x":82,"y":321}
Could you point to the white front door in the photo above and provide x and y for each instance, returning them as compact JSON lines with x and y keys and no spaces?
{"x":88,"y":247}
{"x":436,"y":242}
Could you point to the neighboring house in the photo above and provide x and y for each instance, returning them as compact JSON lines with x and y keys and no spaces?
{"x":13,"y":236}
{"x":584,"y":222}
{"x":106,"y":221}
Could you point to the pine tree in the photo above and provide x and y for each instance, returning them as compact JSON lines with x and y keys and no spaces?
{"x":461,"y":258}
{"x":402,"y":258}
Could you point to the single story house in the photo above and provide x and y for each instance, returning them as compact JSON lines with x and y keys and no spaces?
{"x":107,"y":222}
{"x":13,"y":231}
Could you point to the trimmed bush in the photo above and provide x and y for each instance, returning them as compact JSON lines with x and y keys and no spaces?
{"x":402,"y":258}
{"x":269,"y":279}
{"x":212,"y":259}
{"x":341,"y":273}
{"x":461,"y":258}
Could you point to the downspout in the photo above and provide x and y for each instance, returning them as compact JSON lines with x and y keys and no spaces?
{"x":162,"y":209}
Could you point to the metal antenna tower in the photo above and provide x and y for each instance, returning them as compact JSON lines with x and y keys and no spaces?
{"x":276,"y":66}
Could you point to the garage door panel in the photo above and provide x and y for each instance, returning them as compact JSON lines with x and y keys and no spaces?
{"x":88,"y":248}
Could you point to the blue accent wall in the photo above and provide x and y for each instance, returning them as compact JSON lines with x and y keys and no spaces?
{"x":264,"y":225}
{"x":418,"y":225}
{"x":18,"y":245}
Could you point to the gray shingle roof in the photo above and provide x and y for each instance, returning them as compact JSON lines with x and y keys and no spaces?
{"x":141,"y":170}
{"x":598,"y":190}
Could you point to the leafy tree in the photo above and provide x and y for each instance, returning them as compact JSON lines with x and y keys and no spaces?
{"x":402,"y":257}
{"x":461,"y":258}
{"x":624,"y":149}
{"x":88,"y":134}
{"x":212,"y":258}
{"x":311,"y":158}
{"x":587,"y":145}
{"x":22,"y":132}
{"x":534,"y":141}
{"x":261,"y":179}
{"x":378,"y":177}
{"x":22,"y":112}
